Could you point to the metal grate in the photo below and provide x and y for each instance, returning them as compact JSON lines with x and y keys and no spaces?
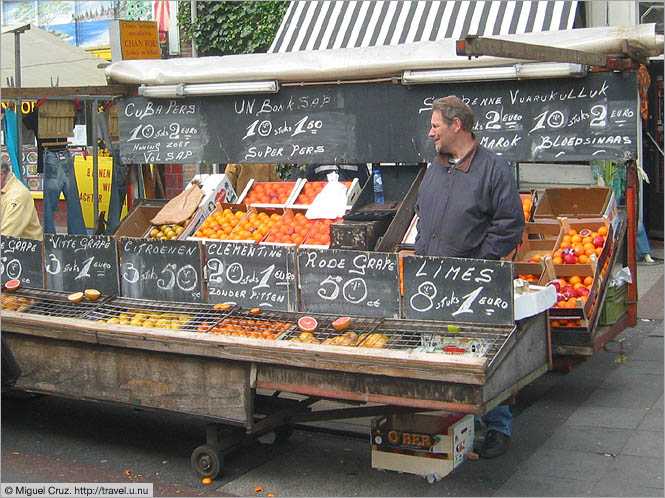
{"x":325,"y":333}
{"x":262,"y":324}
{"x":50,"y":303}
{"x":459,"y":339}
{"x":192,"y":317}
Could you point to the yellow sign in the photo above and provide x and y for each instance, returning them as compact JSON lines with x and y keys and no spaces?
{"x":27,"y":106}
{"x":139,"y":40}
{"x":83,"y":170}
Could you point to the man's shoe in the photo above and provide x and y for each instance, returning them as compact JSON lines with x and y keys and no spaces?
{"x":495,"y":444}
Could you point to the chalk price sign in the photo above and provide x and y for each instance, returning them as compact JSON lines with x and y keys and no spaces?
{"x":251,"y":275}
{"x":349,"y":282}
{"x":22,"y":260}
{"x":458,"y":290}
{"x":164,"y":270}
{"x":78,"y":262}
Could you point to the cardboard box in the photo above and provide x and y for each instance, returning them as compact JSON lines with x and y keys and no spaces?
{"x":216,"y":188}
{"x":352,"y":193}
{"x":252,"y":184}
{"x":539,"y":238}
{"x":425,"y":444}
{"x":137,"y":221}
{"x":579,"y":202}
{"x":200,"y":216}
{"x":529,"y":300}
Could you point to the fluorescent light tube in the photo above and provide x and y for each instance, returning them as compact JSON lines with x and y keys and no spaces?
{"x":514,"y":72}
{"x":203,"y":89}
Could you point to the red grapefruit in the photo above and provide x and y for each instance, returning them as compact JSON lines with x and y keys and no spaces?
{"x":342,"y":323}
{"x":11,"y":285}
{"x":307,"y":324}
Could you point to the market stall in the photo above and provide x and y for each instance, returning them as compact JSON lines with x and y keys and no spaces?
{"x":203,"y":320}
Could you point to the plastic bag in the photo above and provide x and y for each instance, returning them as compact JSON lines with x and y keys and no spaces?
{"x":620,"y":276}
{"x":330,"y":203}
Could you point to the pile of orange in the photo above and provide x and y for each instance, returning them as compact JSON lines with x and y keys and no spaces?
{"x":291,"y":229}
{"x":320,"y":234}
{"x":527,"y":277}
{"x":258,"y":329}
{"x":527,"y":203}
{"x":311,"y":189}
{"x":566,"y":322}
{"x":575,"y":282}
{"x":582,"y":245}
{"x":269,"y":193}
{"x":219,"y":224}
{"x":254,"y":226}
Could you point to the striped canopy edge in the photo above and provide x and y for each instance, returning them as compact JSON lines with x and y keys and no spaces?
{"x":332,"y":24}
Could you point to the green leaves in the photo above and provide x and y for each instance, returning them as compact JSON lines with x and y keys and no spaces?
{"x":224,"y":28}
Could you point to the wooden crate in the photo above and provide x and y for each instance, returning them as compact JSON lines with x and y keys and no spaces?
{"x":56,"y":119}
{"x":421,"y":443}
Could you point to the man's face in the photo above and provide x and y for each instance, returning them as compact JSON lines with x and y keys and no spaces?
{"x":3,"y":177}
{"x":441,"y":132}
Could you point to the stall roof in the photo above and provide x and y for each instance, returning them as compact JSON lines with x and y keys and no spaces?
{"x":47,"y":60}
{"x":319,"y":25}
{"x":371,"y":62}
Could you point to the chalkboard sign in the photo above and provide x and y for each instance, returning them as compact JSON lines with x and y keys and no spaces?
{"x":458,"y":290}
{"x":161,"y":130}
{"x":162,"y":270}
{"x":79,"y":262}
{"x":343,"y":282}
{"x":251,"y":275}
{"x":22,"y":260}
{"x":565,"y":119}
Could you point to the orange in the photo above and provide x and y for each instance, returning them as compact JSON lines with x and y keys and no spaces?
{"x":565,"y":245}
{"x":575,"y":280}
{"x":588,"y":281}
{"x":576,"y":239}
{"x":602,"y":230}
{"x":583,"y":259}
{"x":557,"y":260}
{"x":572,"y":232}
{"x":599,"y":250}
{"x":566,"y":238}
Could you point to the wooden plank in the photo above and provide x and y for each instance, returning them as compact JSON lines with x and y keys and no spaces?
{"x":418,"y":393}
{"x":442,"y":367}
{"x":65,"y":91}
{"x":193,"y":385}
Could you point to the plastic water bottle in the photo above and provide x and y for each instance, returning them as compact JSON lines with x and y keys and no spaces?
{"x":378,"y":187}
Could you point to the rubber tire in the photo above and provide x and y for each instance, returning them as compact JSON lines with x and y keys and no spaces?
{"x":283,"y":433}
{"x":207,"y":461}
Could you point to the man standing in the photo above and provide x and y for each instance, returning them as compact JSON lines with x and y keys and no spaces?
{"x":19,"y":216}
{"x":468,"y":207}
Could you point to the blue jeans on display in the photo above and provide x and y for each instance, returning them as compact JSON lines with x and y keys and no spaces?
{"x":118,"y":193}
{"x":59,"y":177}
{"x":643,"y":246}
{"x":499,"y":419}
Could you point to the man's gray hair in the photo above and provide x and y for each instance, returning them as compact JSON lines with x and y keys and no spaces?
{"x":5,"y":166}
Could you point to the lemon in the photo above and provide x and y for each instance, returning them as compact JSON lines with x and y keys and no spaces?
{"x":92,"y":294}
{"x":75,"y":297}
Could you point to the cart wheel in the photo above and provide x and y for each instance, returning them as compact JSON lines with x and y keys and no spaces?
{"x":283,"y":433}
{"x":207,"y":461}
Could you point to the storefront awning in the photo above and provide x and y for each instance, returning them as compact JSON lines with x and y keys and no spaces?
{"x":320,"y":25}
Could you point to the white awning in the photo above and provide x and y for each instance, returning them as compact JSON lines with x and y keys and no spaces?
{"x":320,"y":25}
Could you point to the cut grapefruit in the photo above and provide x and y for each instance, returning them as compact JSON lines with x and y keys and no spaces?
{"x":255,"y":311}
{"x":307,"y":324}
{"x":75,"y":297}
{"x":342,"y":323}
{"x":92,"y":294}
{"x":12,"y":285}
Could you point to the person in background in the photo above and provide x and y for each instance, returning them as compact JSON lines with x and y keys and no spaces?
{"x":240,"y":174}
{"x":468,"y":207}
{"x":19,"y":216}
{"x":346,"y":172}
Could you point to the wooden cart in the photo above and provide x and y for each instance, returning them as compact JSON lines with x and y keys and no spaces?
{"x":237,"y":381}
